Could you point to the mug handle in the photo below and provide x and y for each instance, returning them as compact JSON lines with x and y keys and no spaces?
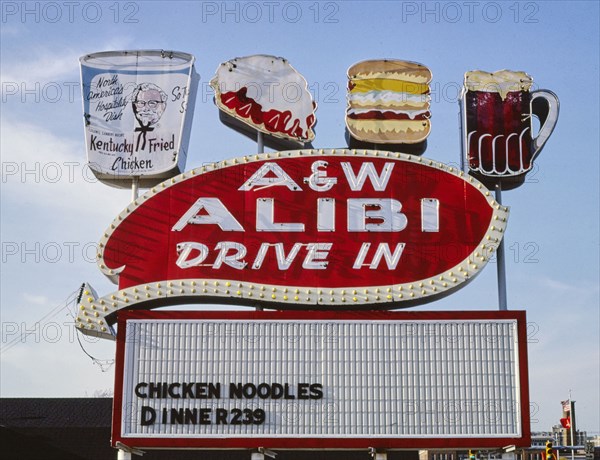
{"x":545,"y":106}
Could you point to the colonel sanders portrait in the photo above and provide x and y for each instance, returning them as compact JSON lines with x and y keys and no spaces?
{"x":149,"y":103}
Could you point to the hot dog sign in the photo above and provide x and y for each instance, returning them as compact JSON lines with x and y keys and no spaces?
{"x":314,"y":229}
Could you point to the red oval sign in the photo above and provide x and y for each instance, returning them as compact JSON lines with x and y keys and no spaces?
{"x":305,"y":228}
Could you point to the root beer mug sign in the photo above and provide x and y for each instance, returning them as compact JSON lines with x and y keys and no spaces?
{"x":138,"y":109}
{"x":498,"y":139}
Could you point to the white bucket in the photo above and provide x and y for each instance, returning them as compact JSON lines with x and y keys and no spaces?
{"x":138,"y":108}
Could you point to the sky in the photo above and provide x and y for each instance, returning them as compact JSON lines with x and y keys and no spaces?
{"x":53,"y":211}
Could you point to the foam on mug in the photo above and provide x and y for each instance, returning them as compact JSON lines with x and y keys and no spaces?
{"x":502,"y":81}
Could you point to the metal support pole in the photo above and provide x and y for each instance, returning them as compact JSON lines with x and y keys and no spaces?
{"x":260,"y":142}
{"x":135,"y":185}
{"x":572,"y":420}
{"x":262,"y":453}
{"x":123,"y":455}
{"x":462,"y":122}
{"x":375,"y":455}
{"x":125,"y":452}
{"x":500,"y":261}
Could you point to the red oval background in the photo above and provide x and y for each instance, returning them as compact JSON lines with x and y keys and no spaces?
{"x":145,"y":245}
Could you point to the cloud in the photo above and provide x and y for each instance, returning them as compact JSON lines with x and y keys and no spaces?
{"x":50,"y":172}
{"x":35,"y":299}
{"x":53,"y":349}
{"x":48,"y":65}
{"x":11,"y":31}
{"x":578,"y":294}
{"x":556,"y":285}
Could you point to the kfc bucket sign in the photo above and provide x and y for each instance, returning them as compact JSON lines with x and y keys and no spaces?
{"x":138,"y":108}
{"x":300,"y":229}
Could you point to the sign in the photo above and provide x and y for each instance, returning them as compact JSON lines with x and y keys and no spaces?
{"x":265,"y":93}
{"x":388,"y":102}
{"x":138,"y":108}
{"x":497,"y":110}
{"x":321,"y":380}
{"x":300,"y":229}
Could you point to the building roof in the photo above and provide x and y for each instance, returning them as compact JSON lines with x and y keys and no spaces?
{"x":56,"y":428}
{"x":80,"y":429}
{"x":56,"y":412}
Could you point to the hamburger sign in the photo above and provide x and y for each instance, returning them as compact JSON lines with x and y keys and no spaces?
{"x":389,"y":102}
{"x":315,"y":229}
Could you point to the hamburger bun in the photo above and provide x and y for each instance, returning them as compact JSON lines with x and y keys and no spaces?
{"x":388,"y":102}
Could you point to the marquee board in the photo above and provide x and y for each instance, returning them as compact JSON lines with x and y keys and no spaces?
{"x":336,"y":380}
